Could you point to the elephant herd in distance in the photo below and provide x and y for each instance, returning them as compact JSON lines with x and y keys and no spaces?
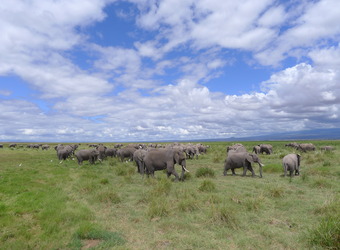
{"x":154,"y":157}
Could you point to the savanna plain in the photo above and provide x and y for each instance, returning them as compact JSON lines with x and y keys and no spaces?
{"x":45,"y":204}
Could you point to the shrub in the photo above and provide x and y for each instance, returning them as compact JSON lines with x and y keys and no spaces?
{"x":207,"y":186}
{"x":205,"y":172}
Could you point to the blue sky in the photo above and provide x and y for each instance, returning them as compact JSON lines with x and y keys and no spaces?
{"x":106,"y":70}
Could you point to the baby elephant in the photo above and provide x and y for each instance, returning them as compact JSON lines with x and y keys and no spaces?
{"x":291,"y":163}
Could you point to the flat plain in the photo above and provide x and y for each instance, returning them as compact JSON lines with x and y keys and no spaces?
{"x":45,"y":204}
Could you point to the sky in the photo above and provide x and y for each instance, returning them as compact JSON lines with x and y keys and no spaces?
{"x":151,"y":70}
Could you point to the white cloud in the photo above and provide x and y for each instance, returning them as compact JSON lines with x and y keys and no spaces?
{"x":125,"y":97}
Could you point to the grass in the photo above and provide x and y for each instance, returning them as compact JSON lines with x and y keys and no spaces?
{"x":47,"y":205}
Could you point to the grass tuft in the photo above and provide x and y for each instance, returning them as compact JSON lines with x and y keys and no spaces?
{"x":108,"y":196}
{"x":276,"y":192}
{"x":158,"y":207}
{"x":207,"y":186}
{"x":225,"y":215}
{"x":104,"y":181}
{"x":327,"y":233}
{"x":205,"y":172}
{"x":88,"y":231}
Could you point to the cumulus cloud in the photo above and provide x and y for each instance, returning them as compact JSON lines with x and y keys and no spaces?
{"x":126,"y":93}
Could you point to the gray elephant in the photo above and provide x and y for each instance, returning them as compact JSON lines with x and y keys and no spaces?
{"x":292,"y":144}
{"x":138,"y":157}
{"x":236,"y":148}
{"x":45,"y":147}
{"x":266,"y":148}
{"x":126,"y":152}
{"x":160,"y":159}
{"x":90,"y":155}
{"x":291,"y":163}
{"x":327,"y":148}
{"x":64,"y":152}
{"x":256,"y":149}
{"x":101,"y":150}
{"x":304,"y":147}
{"x":241,"y":160}
{"x":191,"y":151}
{"x":112,"y":152}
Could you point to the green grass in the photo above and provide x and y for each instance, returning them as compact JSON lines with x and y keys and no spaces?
{"x":47,"y":205}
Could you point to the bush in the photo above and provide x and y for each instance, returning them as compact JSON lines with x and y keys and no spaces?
{"x":205,"y":172}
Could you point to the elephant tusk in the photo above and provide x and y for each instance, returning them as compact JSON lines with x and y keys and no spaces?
{"x":186,"y":169}
{"x":262,"y":165}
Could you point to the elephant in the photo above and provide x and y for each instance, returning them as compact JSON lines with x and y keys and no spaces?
{"x":291,"y":163}
{"x":239,"y":160}
{"x":12,"y":145}
{"x":126,"y":152}
{"x":160,"y":159}
{"x":112,"y":152}
{"x":304,"y":147}
{"x":63,"y":152}
{"x":138,"y":157}
{"x":45,"y":147}
{"x":266,"y":148}
{"x":236,"y":148}
{"x":292,"y":144}
{"x":191,"y":152}
{"x":256,"y":149}
{"x":1,"y":146}
{"x":202,"y":149}
{"x":327,"y":148}
{"x":90,"y":155}
{"x":101,"y":149}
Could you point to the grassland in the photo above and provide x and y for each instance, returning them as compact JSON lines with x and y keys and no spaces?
{"x":47,"y":205}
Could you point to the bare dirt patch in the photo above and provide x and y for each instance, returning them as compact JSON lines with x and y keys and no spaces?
{"x":90,"y":243}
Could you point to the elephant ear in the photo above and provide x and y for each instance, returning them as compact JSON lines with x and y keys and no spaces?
{"x":249,"y":157}
{"x":176,"y":156}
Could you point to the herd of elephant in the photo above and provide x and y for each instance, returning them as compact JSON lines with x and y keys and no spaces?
{"x":148,"y":159}
{"x":153,"y":157}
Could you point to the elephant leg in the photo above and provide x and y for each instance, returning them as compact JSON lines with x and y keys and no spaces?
{"x":291,"y":172}
{"x":233,"y":171}
{"x":297,"y":172}
{"x":250,"y":168}
{"x":175,"y":174}
{"x":182,"y":174}
{"x":244,"y":170}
